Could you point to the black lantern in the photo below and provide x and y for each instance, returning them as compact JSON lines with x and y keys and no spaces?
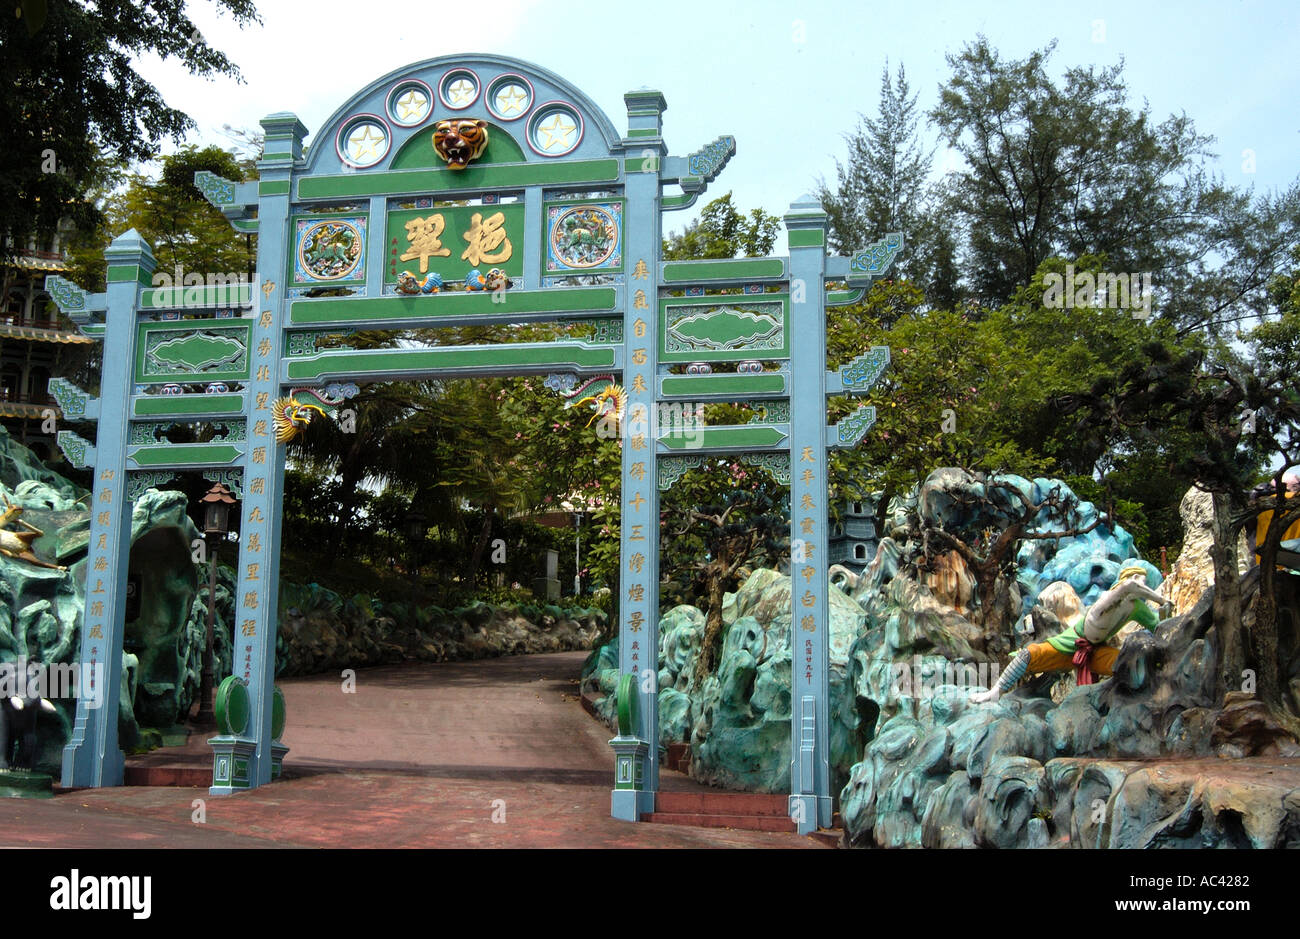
{"x":416,"y":523}
{"x":216,"y":510}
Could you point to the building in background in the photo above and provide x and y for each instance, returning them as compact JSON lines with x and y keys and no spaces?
{"x":853,"y":539}
{"x":36,"y":344}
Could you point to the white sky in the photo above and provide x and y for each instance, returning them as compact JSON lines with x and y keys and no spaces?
{"x":787,"y":79}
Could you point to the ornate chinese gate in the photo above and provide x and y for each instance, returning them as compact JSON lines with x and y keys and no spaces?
{"x":569,"y":211}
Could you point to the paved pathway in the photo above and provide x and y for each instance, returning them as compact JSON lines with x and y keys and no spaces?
{"x":420,"y":756}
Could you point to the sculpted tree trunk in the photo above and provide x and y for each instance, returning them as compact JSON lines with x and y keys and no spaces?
{"x":1264,"y":654}
{"x":1227,"y":592}
{"x":710,"y":648}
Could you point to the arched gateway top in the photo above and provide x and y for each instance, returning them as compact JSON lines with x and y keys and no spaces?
{"x":533,"y":114}
{"x":464,"y":191}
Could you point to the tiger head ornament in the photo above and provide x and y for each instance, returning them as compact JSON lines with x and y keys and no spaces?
{"x":458,"y":141}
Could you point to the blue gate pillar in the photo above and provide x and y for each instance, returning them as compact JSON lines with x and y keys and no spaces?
{"x":810,"y":798}
{"x":257,"y":597}
{"x":93,"y":757}
{"x":638,"y":601}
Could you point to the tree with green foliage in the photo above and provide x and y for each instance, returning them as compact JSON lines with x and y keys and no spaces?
{"x":73,"y":94}
{"x":1070,"y":169}
{"x":884,"y":188}
{"x":723,"y":231}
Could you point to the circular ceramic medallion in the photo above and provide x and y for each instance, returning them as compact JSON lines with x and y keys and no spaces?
{"x":363,"y":141}
{"x":509,"y":97}
{"x":458,"y":89}
{"x":330,"y":249}
{"x":409,"y":103}
{"x":584,"y":236}
{"x":554,"y":130}
{"x":231,"y":706}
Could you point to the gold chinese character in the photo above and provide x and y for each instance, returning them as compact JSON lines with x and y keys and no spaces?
{"x":806,"y":476}
{"x":808,"y":623}
{"x":638,"y":382}
{"x":255,"y":542}
{"x":107,"y":474}
{"x":106,"y":495}
{"x":807,"y":599}
{"x":259,"y":454}
{"x":248,"y":627}
{"x":268,"y":287}
{"x":808,"y":550}
{"x":259,"y":429}
{"x":266,"y":319}
{"x":636,"y":593}
{"x":101,"y":563}
{"x":256,"y":515}
{"x":638,"y":356}
{"x":636,"y":621}
{"x":638,"y":441}
{"x":252,"y":572}
{"x":263,"y":397}
{"x":96,"y":631}
{"x":264,"y":373}
{"x":103,"y":518}
{"x":638,"y":328}
{"x":640,"y":272}
{"x":637,"y":471}
{"x":636,"y":562}
{"x":102,"y":544}
{"x":638,"y":533}
{"x":264,"y":348}
{"x":97,"y":608}
{"x":636,"y":501}
{"x":250,"y":600}
{"x":258,"y":486}
{"x":809,"y":572}
{"x":639,"y":301}
{"x":806,"y":526}
{"x":99,"y":586}
{"x":807,"y":455}
{"x":806,"y":502}
{"x":484,"y":237}
{"x":425,"y":237}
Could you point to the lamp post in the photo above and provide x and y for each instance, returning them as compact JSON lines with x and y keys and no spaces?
{"x":577,"y":554}
{"x":216,"y":523}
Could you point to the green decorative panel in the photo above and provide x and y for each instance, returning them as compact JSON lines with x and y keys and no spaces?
{"x":473,"y":178}
{"x":204,"y":454}
{"x":730,"y":438}
{"x":150,"y":433}
{"x":191,"y":351}
{"x":73,"y":402}
{"x":79,"y":451}
{"x":305,"y":343}
{"x":372,"y":311}
{"x":358,"y":365}
{"x":738,"y":383}
{"x":454,"y":241}
{"x":232,"y":706}
{"x":140,"y":481}
{"x":771,"y":412}
{"x":713,"y":329}
{"x":677,"y":272}
{"x":851,"y":429}
{"x":182,"y":405}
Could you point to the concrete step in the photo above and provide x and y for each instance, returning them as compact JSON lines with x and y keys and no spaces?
{"x":722,"y":803}
{"x":168,"y":775}
{"x":742,"y":822}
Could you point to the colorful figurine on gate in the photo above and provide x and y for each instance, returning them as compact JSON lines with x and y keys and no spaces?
{"x":1082,"y":645}
{"x":408,"y":283}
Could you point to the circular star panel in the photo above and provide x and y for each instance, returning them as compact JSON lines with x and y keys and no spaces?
{"x":554,"y":130}
{"x":410,"y":103}
{"x":363,"y":141}
{"x":509,"y":97}
{"x":459,"y":89}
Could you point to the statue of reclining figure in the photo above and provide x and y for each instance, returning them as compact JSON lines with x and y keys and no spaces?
{"x":1082,"y":645}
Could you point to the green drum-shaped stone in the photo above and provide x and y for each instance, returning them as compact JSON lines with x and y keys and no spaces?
{"x":232,"y":707}
{"x":627,"y":699}
{"x":277,"y":713}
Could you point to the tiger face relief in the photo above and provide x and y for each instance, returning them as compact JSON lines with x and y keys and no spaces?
{"x":460,"y":140}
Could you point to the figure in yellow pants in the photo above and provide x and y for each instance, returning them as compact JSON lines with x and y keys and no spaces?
{"x":1082,"y":646}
